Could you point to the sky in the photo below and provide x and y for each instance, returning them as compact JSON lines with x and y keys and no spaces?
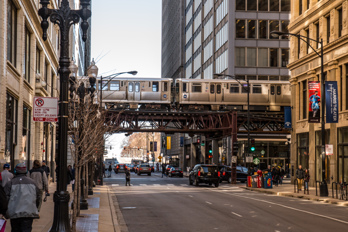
{"x":126,"y":36}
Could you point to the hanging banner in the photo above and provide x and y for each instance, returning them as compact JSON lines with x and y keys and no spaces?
{"x":169,"y":142}
{"x":314,"y":101}
{"x":331,"y":99}
{"x":287,"y":117}
{"x":329,"y":149}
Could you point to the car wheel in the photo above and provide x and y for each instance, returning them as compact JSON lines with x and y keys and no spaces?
{"x":149,"y":174}
{"x":229,"y":179}
{"x":196,"y":182}
{"x":221,"y":181}
{"x":138,"y":173}
{"x":210,"y":184}
{"x":190,"y":181}
{"x":217,"y":184}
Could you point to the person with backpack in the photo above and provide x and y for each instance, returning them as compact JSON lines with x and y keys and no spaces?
{"x":46,"y":169}
{"x":127,"y":172}
{"x":6,"y":175}
{"x":40,"y":178}
{"x":23,"y":197}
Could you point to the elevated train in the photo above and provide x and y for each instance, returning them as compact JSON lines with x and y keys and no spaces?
{"x":195,"y":94}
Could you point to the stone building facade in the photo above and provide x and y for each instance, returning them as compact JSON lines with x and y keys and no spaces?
{"x":318,"y":20}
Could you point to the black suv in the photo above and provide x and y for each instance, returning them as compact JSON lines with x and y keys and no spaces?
{"x":205,"y":173}
{"x":225,"y":171}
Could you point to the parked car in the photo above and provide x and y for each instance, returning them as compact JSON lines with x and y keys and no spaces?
{"x":144,"y":168}
{"x":205,"y":173}
{"x":131,"y":167}
{"x":225,"y":173}
{"x":120,"y":168}
{"x":168,"y":167}
{"x":175,"y":171}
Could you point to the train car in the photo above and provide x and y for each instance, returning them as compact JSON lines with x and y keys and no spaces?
{"x":217,"y":94}
{"x":137,"y":93}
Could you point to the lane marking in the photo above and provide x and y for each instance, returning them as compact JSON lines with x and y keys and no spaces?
{"x":170,"y":185}
{"x":190,"y":195}
{"x":236,"y":214}
{"x":208,"y":202}
{"x":115,"y":185}
{"x":143,"y":184}
{"x":288,"y":207}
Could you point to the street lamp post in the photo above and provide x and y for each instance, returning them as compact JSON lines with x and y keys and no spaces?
{"x":64,"y":18}
{"x":248,"y":103}
{"x":323,"y":184}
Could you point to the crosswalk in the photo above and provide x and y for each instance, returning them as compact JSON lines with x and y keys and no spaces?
{"x":171,"y":185}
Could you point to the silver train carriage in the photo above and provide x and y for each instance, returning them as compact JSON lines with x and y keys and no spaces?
{"x":216,"y":94}
{"x":137,"y":93}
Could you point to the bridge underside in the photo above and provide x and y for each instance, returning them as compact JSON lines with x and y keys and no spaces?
{"x":209,"y":123}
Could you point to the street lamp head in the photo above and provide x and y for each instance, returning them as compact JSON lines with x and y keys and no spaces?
{"x":73,"y":68}
{"x":277,"y":33}
{"x":133,"y":72}
{"x":92,"y":69}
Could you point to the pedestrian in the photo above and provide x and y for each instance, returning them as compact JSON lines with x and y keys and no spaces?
{"x":157,"y":167}
{"x":282,"y":173}
{"x":40,"y":178}
{"x":163,"y":169}
{"x":69,"y":175}
{"x":109,"y":169}
{"x":276,"y":175}
{"x":299,"y":176}
{"x":127,"y":172}
{"x":6,"y":175}
{"x":73,"y":178}
{"x":104,"y":170}
{"x":24,"y":197}
{"x":306,"y":179}
{"x":46,"y":169}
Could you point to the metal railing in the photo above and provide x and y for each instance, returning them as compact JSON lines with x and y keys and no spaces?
{"x":343,"y":193}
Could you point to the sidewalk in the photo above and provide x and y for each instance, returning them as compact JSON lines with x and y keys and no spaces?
{"x":100,"y":215}
{"x":287,"y":190}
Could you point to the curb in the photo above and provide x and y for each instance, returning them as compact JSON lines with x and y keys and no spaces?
{"x":119,"y":223}
{"x":306,"y":197}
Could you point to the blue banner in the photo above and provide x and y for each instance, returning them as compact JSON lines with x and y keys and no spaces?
{"x":181,"y":141}
{"x":287,"y":117}
{"x":331,"y":97}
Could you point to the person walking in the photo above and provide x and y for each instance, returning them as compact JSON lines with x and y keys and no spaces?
{"x":306,"y":179}
{"x":46,"y":169}
{"x":110,"y":170}
{"x":6,"y":175}
{"x":73,"y":178}
{"x":24,"y":196}
{"x":299,"y":176}
{"x":127,"y":172}
{"x":40,"y":178}
{"x":163,"y":169}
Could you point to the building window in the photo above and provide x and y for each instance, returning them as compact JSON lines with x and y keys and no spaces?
{"x":27,"y":55}
{"x":302,"y":150}
{"x":286,"y":5}
{"x":234,"y":88}
{"x":251,"y":29}
{"x":240,"y":4}
{"x":317,"y":36}
{"x":346,"y":86}
{"x":308,"y":2}
{"x":251,"y":57}
{"x":11,"y":127}
{"x":263,"y":5}
{"x":285,"y":57}
{"x":240,"y":56}
{"x":38,"y":60}
{"x":262,"y":57}
{"x":263,"y":32}
{"x":11,"y":32}
{"x":300,"y":7}
{"x":342,"y":154}
{"x":251,"y":5}
{"x":240,"y":28}
{"x":340,"y":22}
{"x":273,"y":55}
{"x":304,"y":99}
{"x":285,"y":24}
{"x":155,"y":86}
{"x":318,"y":156}
{"x":115,"y":85}
{"x":274,"y":5}
{"x":307,"y":40}
{"x":196,"y":88}
{"x":273,"y":26}
{"x":26,"y":134}
{"x":262,"y":78}
{"x":328,"y":29}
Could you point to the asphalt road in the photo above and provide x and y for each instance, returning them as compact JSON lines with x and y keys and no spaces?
{"x":171,"y":204}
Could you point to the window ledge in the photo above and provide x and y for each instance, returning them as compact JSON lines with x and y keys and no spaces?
{"x":13,"y":70}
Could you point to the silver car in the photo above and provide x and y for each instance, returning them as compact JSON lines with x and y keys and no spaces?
{"x":144,"y":168}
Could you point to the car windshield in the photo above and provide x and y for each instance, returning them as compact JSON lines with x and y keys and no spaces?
{"x":145,"y":165}
{"x":177,"y":168}
{"x":209,"y":168}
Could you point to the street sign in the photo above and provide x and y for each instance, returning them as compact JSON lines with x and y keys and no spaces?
{"x":234,"y":159}
{"x":329,"y":149}
{"x":249,"y":159}
{"x":256,"y":161}
{"x":45,"y":109}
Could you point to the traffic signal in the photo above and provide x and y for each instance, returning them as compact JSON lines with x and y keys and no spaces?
{"x":210,"y":150}
{"x":235,"y":148}
{"x":198,"y":139}
{"x":151,"y":146}
{"x":252,"y":145}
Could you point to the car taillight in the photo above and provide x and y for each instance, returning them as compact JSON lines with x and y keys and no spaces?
{"x":180,"y":171}
{"x":199,"y":173}
{"x":224,"y":173}
{"x":173,"y":171}
{"x":218,"y":174}
{"x":140,"y":169}
{"x":118,"y":166}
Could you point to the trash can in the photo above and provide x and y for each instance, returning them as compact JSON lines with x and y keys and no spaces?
{"x":267,"y":180}
{"x":250,"y":181}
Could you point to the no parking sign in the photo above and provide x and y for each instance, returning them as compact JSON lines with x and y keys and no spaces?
{"x":45,"y":109}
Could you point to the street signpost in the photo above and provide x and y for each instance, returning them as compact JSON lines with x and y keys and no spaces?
{"x":45,"y":109}
{"x":256,"y":161}
{"x":249,"y":159}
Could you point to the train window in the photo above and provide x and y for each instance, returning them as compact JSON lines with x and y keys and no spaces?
{"x":115,"y":85}
{"x":279,"y":90}
{"x":130,"y":87}
{"x":274,"y":78}
{"x":272,"y":89}
{"x":184,"y":87}
{"x":177,"y":87}
{"x":104,"y":84}
{"x":218,"y":89}
{"x":212,"y":88}
{"x":257,"y":89}
{"x":251,"y":77}
{"x":165,"y":86}
{"x":196,"y":88}
{"x":137,"y":87}
{"x":155,"y":86}
{"x":234,"y":88}
{"x":262,"y":78}
{"x":121,"y":83}
{"x":245,"y":88}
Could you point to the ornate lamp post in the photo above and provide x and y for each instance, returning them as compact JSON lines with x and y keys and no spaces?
{"x":323,"y":184}
{"x":64,"y":17}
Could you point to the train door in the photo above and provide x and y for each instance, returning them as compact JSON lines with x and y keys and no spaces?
{"x":165,"y":91}
{"x":131,"y":91}
{"x":215,"y":94}
{"x":275,"y":94}
{"x":137,"y":91}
